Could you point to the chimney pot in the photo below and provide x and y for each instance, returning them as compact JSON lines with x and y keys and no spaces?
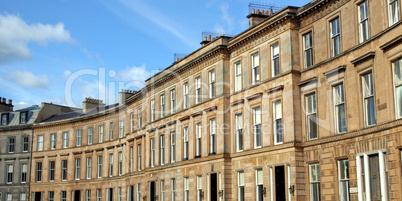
{"x":271,"y":12}
{"x":3,"y":100}
{"x":258,"y":11}
{"x":209,"y":37}
{"x":266,"y":12}
{"x":205,"y":38}
{"x":10,"y":102}
{"x":177,"y":59}
{"x":253,"y":11}
{"x":213,"y":38}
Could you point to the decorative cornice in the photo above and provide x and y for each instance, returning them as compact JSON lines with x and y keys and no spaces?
{"x":240,"y":101}
{"x":197,"y":113}
{"x":171,"y":123}
{"x":308,"y":81}
{"x":392,"y":43}
{"x":210,"y":109}
{"x":275,"y":89}
{"x":335,"y":71}
{"x":363,"y":58}
{"x":184,"y":118}
{"x":254,"y":96}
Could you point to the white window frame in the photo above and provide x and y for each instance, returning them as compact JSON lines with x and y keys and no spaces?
{"x":25,"y":144}
{"x":39,"y":169}
{"x":119,"y":194}
{"x":259,"y":184}
{"x":121,"y":128}
{"x":185,"y":96}
{"x":24,"y":173}
{"x":343,"y":179}
{"x":186,"y":189}
{"x":311,"y":103}
{"x":90,"y":135}
{"x":78,"y":141}
{"x":40,"y":144}
{"x":99,"y":166}
{"x":255,"y":63}
{"x":77,"y":169}
{"x":172,"y":101}
{"x":131,"y":159}
{"x":339,"y":107}
{"x":53,"y":141}
{"x":368,"y":95}
{"x":10,"y":173}
{"x":240,"y":185}
{"x":335,"y":36}
{"x":64,"y":170}
{"x":162,"y":100}
{"x":89,"y":167}
{"x":172,"y":146}
{"x":52,"y":170}
{"x":162,"y":149}
{"x":198,"y":142}
{"x":397,"y":71}
{"x":138,"y":192}
{"x":257,"y":125}
{"x":212,"y":87}
{"x":100,"y":134}
{"x":173,"y":189}
{"x":98,"y":194}
{"x":308,"y":53}
{"x":185,"y":143}
{"x":152,"y":110}
{"x":139,"y":157}
{"x":139,"y":118}
{"x":88,"y":195}
{"x":162,"y":183}
{"x":197,"y":90}
{"x":364,"y":30}
{"x":238,"y":76}
{"x":199,"y":188}
{"x":152,"y":150}
{"x":393,"y":17}
{"x":65,"y":139}
{"x":111,"y":128}
{"x":314,"y":179}
{"x":239,"y":132}
{"x":274,"y":58}
{"x":111,"y":161}
{"x":63,"y":195}
{"x":132,"y":122}
{"x":278,"y":122}
{"x":212,"y":136}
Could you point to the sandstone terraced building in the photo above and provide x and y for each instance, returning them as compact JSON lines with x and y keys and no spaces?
{"x":303,"y":105}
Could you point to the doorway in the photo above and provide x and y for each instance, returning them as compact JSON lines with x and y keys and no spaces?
{"x":375,"y":189}
{"x":77,"y":195}
{"x":214,"y":187}
{"x":280,"y":187}
{"x":38,"y":196}
{"x":131,"y":193}
{"x":110,"y":194}
{"x":152,"y":191}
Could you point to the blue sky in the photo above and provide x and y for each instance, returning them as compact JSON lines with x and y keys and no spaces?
{"x":61,"y":51}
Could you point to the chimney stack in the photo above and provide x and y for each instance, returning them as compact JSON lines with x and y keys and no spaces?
{"x":257,"y":17}
{"x":4,"y":106}
{"x":91,"y":103}
{"x":124,"y":94}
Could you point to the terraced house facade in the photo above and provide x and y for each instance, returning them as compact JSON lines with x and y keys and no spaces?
{"x":303,"y":105}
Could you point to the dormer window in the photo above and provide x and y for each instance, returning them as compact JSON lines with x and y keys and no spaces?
{"x":23,"y":117}
{"x":4,"y":119}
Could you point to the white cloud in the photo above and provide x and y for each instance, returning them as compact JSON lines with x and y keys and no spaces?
{"x":134,"y":76}
{"x":66,"y":73}
{"x":16,"y":34}
{"x":28,"y":79}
